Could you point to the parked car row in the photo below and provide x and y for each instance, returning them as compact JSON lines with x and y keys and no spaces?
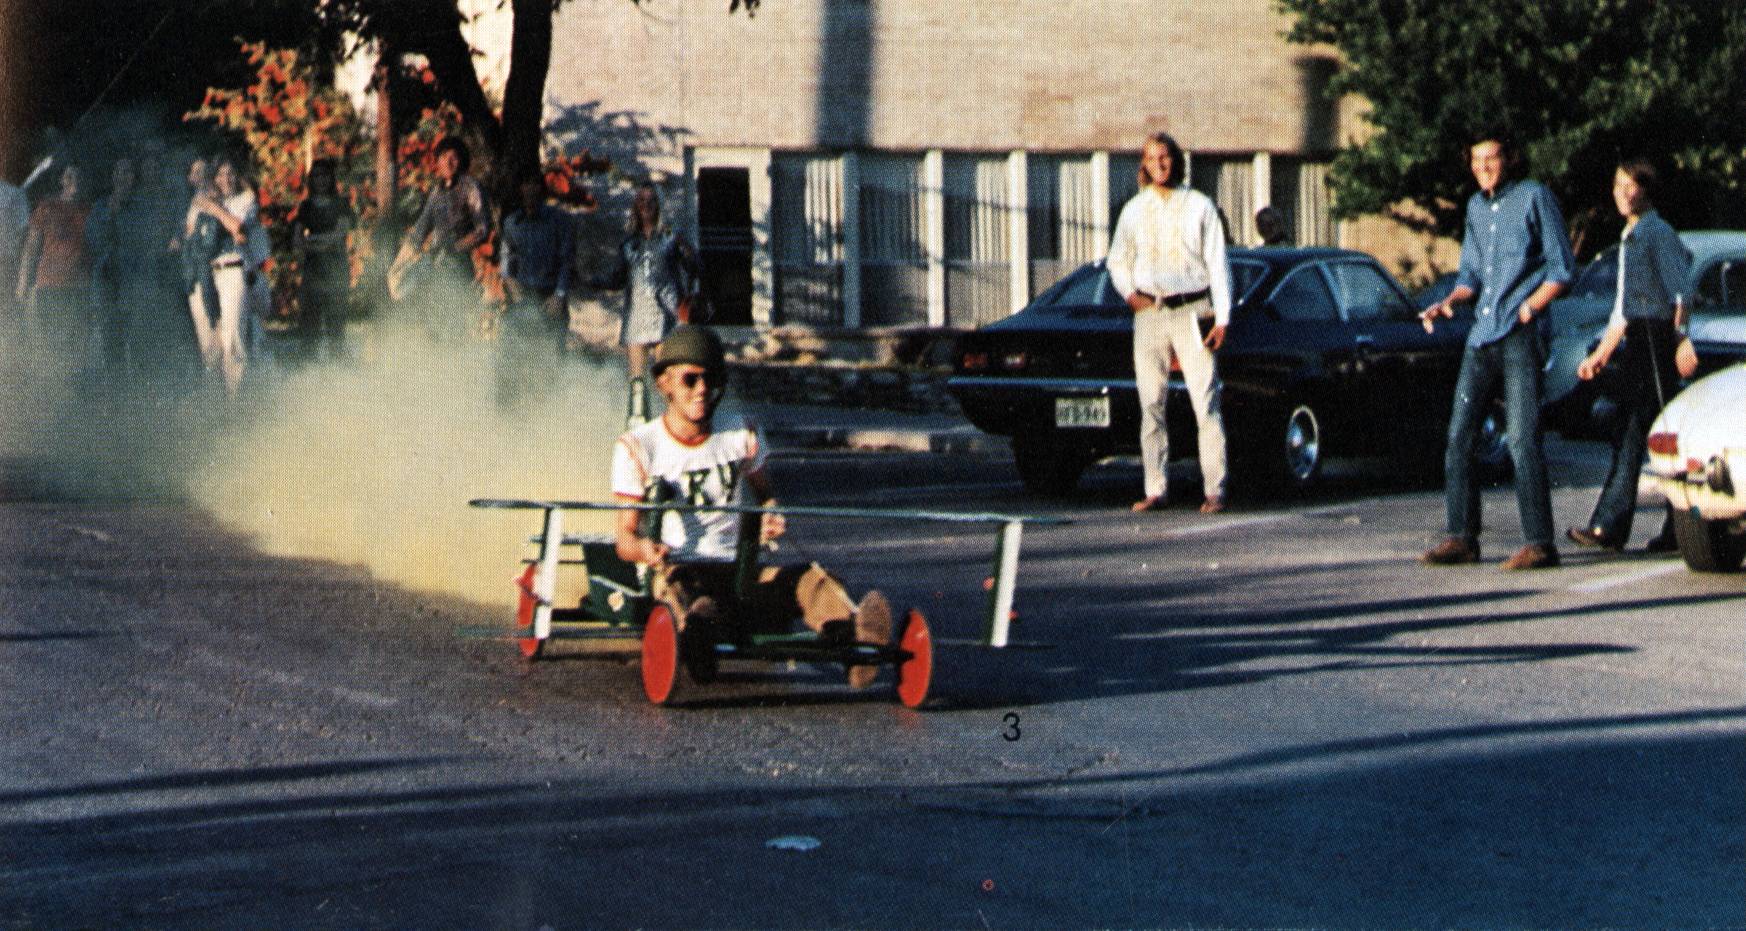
{"x":1324,"y":356}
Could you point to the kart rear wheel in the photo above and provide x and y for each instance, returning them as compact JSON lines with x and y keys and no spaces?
{"x":661,"y":655}
{"x":531,"y":647}
{"x":915,"y":672}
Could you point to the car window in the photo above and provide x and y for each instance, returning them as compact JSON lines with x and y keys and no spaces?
{"x":1367,"y":294}
{"x":1091,"y":287}
{"x":1245,"y":276}
{"x":1075,"y":290}
{"x":1303,"y":297}
{"x":1721,"y":287}
{"x":1600,"y":278}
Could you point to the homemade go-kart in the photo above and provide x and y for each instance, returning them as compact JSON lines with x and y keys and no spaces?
{"x":619,"y":603}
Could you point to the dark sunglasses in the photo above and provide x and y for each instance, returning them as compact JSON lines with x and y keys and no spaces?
{"x":693,"y":379}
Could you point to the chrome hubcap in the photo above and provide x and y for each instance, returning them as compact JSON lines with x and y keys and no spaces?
{"x":1303,"y":443}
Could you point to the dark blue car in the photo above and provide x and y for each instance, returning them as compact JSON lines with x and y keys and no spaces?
{"x":1325,"y":356}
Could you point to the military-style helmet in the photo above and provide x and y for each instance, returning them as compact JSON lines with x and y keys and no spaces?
{"x":691,"y":345}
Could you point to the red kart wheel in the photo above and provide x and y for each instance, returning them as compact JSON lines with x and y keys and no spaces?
{"x":916,"y":672}
{"x":524,"y":615}
{"x":660,"y":655}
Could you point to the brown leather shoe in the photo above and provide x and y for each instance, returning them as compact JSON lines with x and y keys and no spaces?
{"x":1454,"y":551}
{"x":1532,"y":556}
{"x":1212,"y":505}
{"x":1593,"y":537}
{"x":1152,"y":503}
{"x":872,"y":625}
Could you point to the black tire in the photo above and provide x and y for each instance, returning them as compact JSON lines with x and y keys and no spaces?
{"x":1048,"y":466}
{"x":1283,"y":451}
{"x":1708,"y":545}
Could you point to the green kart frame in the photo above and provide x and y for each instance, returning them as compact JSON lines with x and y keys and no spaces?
{"x":620,"y":606}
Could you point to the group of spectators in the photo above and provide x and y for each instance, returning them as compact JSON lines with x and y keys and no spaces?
{"x":1167,"y":258}
{"x":536,"y":255}
{"x":157,"y":270}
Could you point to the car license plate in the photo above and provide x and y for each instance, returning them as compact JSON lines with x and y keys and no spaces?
{"x":1082,"y":412}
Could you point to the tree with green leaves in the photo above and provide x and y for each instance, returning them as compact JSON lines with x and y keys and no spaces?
{"x":1578,"y":84}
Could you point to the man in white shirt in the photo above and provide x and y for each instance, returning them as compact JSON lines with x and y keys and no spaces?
{"x":1167,"y":258}
{"x":680,"y":457}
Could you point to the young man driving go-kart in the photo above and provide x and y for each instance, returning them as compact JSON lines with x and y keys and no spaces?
{"x":679,"y":457}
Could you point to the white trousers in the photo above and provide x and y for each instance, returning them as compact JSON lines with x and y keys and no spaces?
{"x":221,"y":345}
{"x":1160,"y":332}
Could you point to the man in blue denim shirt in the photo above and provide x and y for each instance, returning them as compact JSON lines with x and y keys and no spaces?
{"x":1515,"y":259}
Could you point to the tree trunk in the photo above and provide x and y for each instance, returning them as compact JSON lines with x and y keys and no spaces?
{"x":530,"y":58}
{"x":432,"y":28}
{"x":385,"y":142}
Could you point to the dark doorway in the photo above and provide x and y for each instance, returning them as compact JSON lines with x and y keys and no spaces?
{"x":724,"y":241}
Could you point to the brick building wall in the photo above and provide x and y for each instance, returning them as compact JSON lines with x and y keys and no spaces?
{"x":972,"y":99}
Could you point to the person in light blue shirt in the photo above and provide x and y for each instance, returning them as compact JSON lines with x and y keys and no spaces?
{"x":1515,"y":259}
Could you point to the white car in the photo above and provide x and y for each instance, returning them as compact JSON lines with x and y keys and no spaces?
{"x":1697,"y":455}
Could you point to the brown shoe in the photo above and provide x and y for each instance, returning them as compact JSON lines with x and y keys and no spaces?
{"x":1212,"y":505}
{"x":1154,"y":503}
{"x":1593,"y":537}
{"x":1454,"y":551}
{"x":1532,"y":556}
{"x":872,"y":625}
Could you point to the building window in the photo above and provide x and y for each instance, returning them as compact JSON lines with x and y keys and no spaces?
{"x":807,"y":238}
{"x":1230,"y":181}
{"x":978,"y":260}
{"x":1061,"y":220}
{"x":894,"y":264}
{"x":1300,"y":191}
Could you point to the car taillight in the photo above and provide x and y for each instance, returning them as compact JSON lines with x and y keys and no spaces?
{"x":1014,"y":361}
{"x":1664,"y":444}
{"x":975,"y":361}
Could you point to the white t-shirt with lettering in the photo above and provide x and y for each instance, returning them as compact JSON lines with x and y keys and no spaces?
{"x":648,"y":459}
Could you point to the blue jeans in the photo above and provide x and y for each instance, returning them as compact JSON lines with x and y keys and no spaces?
{"x":1514,"y":363}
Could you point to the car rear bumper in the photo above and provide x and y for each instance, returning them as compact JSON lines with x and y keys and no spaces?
{"x":1711,"y":488}
{"x":1007,"y":405}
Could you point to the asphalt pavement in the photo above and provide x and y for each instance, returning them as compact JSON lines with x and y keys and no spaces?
{"x":1271,"y":717}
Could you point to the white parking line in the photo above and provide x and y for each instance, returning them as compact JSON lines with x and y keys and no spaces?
{"x":1272,"y":518}
{"x":1626,"y":578}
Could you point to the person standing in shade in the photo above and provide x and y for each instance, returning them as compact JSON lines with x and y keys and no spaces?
{"x":1270,"y":226}
{"x":1515,"y":259}
{"x":54,"y":281}
{"x":324,"y":219}
{"x":456,"y":218}
{"x":235,"y":264}
{"x":1167,"y":259}
{"x":121,"y":264}
{"x":656,"y":271}
{"x":1637,"y":351}
{"x":537,"y":255}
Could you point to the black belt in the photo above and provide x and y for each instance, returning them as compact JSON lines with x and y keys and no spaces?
{"x":227,"y":263}
{"x":1177,"y":300}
